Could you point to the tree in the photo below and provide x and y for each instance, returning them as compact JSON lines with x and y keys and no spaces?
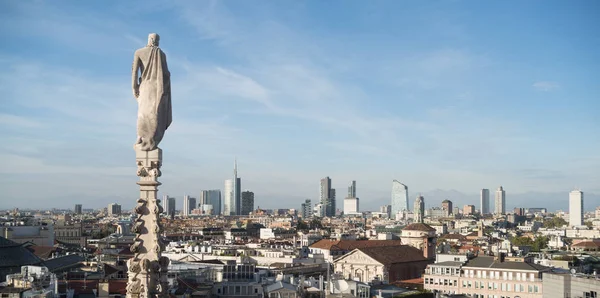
{"x":540,"y":243}
{"x":554,"y":222}
{"x":302,"y":226}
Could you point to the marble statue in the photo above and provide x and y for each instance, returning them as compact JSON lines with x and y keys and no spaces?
{"x":151,"y":82}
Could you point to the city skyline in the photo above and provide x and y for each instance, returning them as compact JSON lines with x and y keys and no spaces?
{"x":421,"y":112}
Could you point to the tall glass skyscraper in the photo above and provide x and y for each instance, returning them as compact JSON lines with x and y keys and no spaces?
{"x":399,"y":198}
{"x":233,"y":194}
{"x":228,"y":202}
{"x":485,"y":201}
{"x":327,"y":196}
{"x":212,"y":197}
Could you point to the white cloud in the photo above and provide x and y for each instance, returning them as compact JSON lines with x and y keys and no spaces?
{"x":546,"y":86}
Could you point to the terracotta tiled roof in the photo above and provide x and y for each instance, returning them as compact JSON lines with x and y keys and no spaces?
{"x":588,"y":243}
{"x":458,"y":237}
{"x":349,"y":245}
{"x":43,"y":252}
{"x":418,"y":281}
{"x":418,"y":227}
{"x":394,"y":254}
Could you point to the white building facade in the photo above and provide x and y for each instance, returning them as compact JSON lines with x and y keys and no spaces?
{"x":576,"y":208}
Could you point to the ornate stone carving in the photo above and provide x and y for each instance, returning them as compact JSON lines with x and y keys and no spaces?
{"x":151,"y":84}
{"x":134,"y":286}
{"x":136,"y":247}
{"x":147,"y":265}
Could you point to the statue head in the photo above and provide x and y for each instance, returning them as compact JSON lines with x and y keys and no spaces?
{"x":153,"y":40}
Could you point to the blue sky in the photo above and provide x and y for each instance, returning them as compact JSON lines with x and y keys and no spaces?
{"x":437,"y":94}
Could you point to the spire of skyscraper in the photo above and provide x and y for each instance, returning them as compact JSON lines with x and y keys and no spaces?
{"x":235,"y":167}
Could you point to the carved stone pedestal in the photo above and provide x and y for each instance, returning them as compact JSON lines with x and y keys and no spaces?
{"x":147,"y":270}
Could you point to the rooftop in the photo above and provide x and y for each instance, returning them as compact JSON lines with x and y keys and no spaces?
{"x":419,"y":227}
{"x":394,"y":254}
{"x":352,"y":244}
{"x":490,"y":262}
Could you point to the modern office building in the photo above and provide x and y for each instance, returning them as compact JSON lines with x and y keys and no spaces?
{"x":169,"y":206}
{"x":469,"y":209}
{"x":419,"y":212}
{"x":352,"y":189}
{"x":78,"y":209}
{"x":500,"y":202}
{"x":484,"y":203}
{"x":247,"y":202}
{"x":189,"y":204}
{"x":306,"y":210}
{"x":576,"y":208}
{"x":233,"y":199}
{"x":114,"y":209}
{"x":228,"y":201}
{"x":447,"y":207}
{"x":211,"y":197}
{"x":351,"y":205}
{"x":399,"y":198}
{"x":327,"y":197}
{"x":387,"y":209}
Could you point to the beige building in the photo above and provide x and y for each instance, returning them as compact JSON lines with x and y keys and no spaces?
{"x":469,"y":210}
{"x":559,"y":285}
{"x":485,"y":276}
{"x":384,"y":263}
{"x":422,"y":237}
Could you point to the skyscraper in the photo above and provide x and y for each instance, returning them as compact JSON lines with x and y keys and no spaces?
{"x":447,"y":207}
{"x":211,"y":197}
{"x":228,"y":202}
{"x":247,"y":202}
{"x":576,"y":208}
{"x":233,"y":188}
{"x":78,"y":209}
{"x":500,"y":202}
{"x":237,"y":190}
{"x":352,"y":189}
{"x":306,"y":209}
{"x":484,"y":201}
{"x":189,"y":204}
{"x":327,"y":197}
{"x":399,"y":198}
{"x":114,"y":209}
{"x":169,"y":206}
{"x":387,"y":209}
{"x":419,"y":212}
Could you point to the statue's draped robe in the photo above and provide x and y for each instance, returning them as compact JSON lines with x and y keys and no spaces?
{"x":154,"y":100}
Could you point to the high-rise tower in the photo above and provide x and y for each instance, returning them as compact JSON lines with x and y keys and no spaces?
{"x":327,"y":196}
{"x":213,"y":198}
{"x":247,"y":202}
{"x":189,"y":204}
{"x":576,"y":208}
{"x":500,"y":202}
{"x":306,"y":209}
{"x":419,"y":212}
{"x":352,"y":189}
{"x":399,"y":198}
{"x":484,"y":204}
{"x":233,"y":189}
{"x":169,"y":206}
{"x":237,"y":189}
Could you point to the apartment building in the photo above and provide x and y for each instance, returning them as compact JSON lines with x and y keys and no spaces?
{"x":486,"y":277}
